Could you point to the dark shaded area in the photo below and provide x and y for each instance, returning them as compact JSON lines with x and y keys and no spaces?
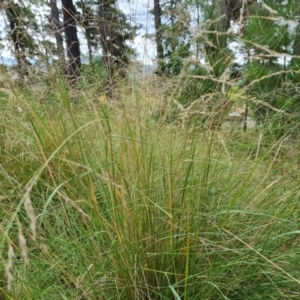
{"x":73,"y":48}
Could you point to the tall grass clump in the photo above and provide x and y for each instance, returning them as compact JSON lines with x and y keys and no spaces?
{"x":100,"y":200}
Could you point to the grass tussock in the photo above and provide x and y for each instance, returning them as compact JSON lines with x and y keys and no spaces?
{"x":108,"y":200}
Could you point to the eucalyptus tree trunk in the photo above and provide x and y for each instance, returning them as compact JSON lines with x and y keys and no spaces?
{"x":19,"y":49}
{"x":103,"y":29}
{"x":18,"y":35}
{"x":198,"y":9}
{"x":158,"y":37}
{"x":296,"y":45}
{"x":73,"y":48}
{"x":58,"y":34}
{"x":87,"y":31}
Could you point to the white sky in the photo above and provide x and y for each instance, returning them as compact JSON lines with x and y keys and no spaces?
{"x":138,"y":10}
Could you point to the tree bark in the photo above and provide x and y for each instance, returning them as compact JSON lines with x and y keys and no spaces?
{"x":296,"y":45}
{"x":58,"y":34}
{"x":73,"y":47}
{"x":103,"y":29}
{"x":87,"y":29}
{"x":17,"y":35}
{"x":158,"y":37}
{"x":235,"y":9}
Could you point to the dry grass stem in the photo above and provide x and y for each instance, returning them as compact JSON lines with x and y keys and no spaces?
{"x":8,"y":266}
{"x":29,"y":208}
{"x":68,"y":200}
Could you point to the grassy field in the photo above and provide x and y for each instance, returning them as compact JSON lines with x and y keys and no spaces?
{"x":108,"y":200}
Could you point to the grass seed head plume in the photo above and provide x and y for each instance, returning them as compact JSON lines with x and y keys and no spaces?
{"x":30,"y":210}
{"x":22,"y":244}
{"x":9,"y":266}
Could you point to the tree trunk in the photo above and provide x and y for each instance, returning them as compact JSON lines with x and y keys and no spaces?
{"x":296,"y":45}
{"x":73,"y":48}
{"x":198,"y":9}
{"x":158,"y":37}
{"x":58,"y":34}
{"x":17,"y":35}
{"x":236,"y":9}
{"x":105,"y":51}
{"x":87,"y":29}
